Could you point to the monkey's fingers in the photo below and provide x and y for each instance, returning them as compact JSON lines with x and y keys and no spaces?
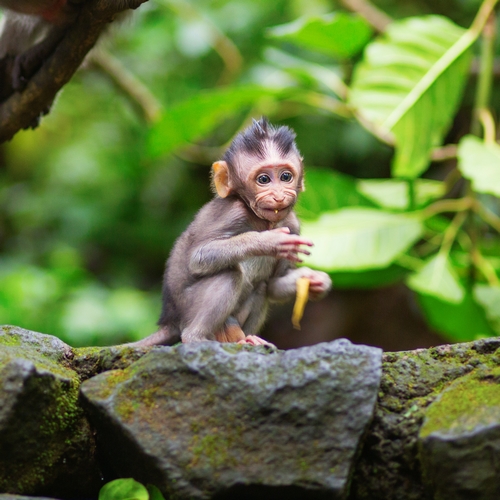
{"x":254,"y":340}
{"x":300,"y":301}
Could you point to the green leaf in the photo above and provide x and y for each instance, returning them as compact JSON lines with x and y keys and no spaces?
{"x":438,"y":278}
{"x":321,"y":75}
{"x":190,"y":120}
{"x":393,"y":193}
{"x":154,"y":493}
{"x":459,"y":322}
{"x":360,"y":238}
{"x":123,"y":489}
{"x":326,"y":191}
{"x":372,"y":278}
{"x":489,"y":298}
{"x":410,"y":82}
{"x":338,"y":34}
{"x":480,"y":163}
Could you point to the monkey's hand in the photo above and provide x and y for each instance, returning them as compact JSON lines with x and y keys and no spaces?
{"x":284,"y":287}
{"x":319,"y":282}
{"x":283,"y":245}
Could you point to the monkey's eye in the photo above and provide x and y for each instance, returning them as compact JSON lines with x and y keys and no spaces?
{"x":286,"y":177}
{"x":263,"y":179}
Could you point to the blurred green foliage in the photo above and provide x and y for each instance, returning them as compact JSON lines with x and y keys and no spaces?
{"x":92,"y":200}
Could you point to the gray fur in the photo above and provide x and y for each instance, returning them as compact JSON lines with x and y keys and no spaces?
{"x":220,"y":267}
{"x":230,"y":262}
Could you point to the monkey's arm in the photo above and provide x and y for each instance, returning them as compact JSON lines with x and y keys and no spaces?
{"x":223,"y":253}
{"x":283,"y":288}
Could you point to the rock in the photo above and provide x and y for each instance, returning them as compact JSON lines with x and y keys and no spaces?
{"x":225,"y":421}
{"x":460,"y":439}
{"x":46,"y":444}
{"x":388,"y":467}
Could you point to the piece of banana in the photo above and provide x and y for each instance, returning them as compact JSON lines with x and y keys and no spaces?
{"x":300,"y":301}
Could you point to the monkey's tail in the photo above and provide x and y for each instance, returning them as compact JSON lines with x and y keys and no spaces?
{"x":164,"y":336}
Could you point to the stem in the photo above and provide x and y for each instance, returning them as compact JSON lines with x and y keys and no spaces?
{"x":483,"y":92}
{"x":485,"y":267}
{"x":409,"y":262}
{"x":460,"y":205}
{"x":322,"y":101}
{"x":451,"y":232}
{"x":412,"y":196}
{"x":378,"y":19}
{"x":488,"y":124}
{"x":489,"y":217}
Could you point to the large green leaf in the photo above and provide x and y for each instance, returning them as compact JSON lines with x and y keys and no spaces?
{"x":438,"y":278}
{"x":338,"y":34}
{"x":326,"y":191}
{"x":480,"y":163}
{"x":360,"y":238}
{"x":459,"y":322}
{"x":393,"y":193}
{"x":327,"y":77}
{"x":409,"y":82}
{"x":189,"y":120}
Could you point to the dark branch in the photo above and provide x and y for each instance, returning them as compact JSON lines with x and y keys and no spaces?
{"x":23,"y":109}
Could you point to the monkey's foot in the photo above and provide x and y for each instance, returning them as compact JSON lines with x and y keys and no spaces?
{"x":230,"y":332}
{"x":254,"y":340}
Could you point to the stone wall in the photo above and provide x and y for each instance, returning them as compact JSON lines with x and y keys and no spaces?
{"x":222,"y":421}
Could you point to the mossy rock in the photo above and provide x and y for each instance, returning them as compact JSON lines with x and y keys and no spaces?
{"x":46,"y":443}
{"x":460,"y":439}
{"x":209,"y":419}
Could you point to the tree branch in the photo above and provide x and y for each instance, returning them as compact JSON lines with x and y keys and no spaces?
{"x":128,"y":83}
{"x":21,"y":110}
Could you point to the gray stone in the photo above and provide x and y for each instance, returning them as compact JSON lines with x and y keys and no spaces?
{"x":388,"y":467}
{"x":46,"y":444}
{"x":460,"y":439}
{"x":225,"y":421}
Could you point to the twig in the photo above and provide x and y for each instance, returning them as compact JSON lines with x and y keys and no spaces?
{"x":377,"y":18}
{"x":485,"y":267}
{"x":448,"y":152}
{"x":128,"y":83}
{"x":483,"y":91}
{"x":441,"y":206}
{"x":488,"y":124}
{"x":451,"y":232}
{"x":489,"y":217}
{"x":224,"y":46}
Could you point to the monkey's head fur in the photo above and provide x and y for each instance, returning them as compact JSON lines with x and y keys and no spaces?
{"x":264,"y":168}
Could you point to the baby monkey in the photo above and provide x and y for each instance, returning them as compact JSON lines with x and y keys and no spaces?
{"x":240,"y":252}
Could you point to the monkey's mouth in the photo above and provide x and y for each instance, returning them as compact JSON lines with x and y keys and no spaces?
{"x":276,"y":212}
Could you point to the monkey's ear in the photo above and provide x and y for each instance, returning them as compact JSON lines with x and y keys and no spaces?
{"x":220,"y":178}
{"x":302,"y":186}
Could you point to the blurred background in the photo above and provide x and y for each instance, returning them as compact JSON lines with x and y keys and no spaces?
{"x":88,"y":213}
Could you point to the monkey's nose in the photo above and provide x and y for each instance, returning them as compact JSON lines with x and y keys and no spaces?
{"x":279,"y":198}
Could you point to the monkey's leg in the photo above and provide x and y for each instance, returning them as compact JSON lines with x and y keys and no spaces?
{"x":208,"y":305}
{"x":30,"y":61}
{"x":254,"y":311}
{"x":253,"y":314}
{"x":164,"y":336}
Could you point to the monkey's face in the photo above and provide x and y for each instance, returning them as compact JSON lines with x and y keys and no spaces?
{"x":272,"y":188}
